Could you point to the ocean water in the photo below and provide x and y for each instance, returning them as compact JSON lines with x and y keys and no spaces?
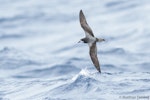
{"x":40,"y":58}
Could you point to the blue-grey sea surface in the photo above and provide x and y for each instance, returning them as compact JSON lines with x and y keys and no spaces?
{"x":41,"y":59}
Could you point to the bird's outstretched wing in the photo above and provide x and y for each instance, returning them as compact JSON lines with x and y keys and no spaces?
{"x":84,"y":25}
{"x":93,"y":55}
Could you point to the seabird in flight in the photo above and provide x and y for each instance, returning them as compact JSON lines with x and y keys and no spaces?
{"x":91,"y":40}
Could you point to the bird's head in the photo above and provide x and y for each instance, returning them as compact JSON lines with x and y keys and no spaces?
{"x":79,"y":41}
{"x":83,"y":40}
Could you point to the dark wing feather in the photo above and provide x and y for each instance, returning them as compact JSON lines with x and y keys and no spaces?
{"x":84,"y":24}
{"x":93,"y":55}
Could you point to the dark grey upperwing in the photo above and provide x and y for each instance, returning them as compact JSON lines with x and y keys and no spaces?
{"x":93,"y":55}
{"x":84,"y":25}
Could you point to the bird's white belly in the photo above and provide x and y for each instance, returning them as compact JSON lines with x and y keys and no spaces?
{"x":91,"y":41}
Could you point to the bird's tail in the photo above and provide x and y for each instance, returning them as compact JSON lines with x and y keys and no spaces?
{"x":100,"y":39}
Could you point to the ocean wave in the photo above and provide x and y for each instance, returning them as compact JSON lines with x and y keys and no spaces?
{"x":52,"y":71}
{"x":82,"y":81}
{"x":121,"y":5}
{"x":114,"y":51}
{"x":12,"y":59}
{"x":10,"y":36}
{"x":23,"y":17}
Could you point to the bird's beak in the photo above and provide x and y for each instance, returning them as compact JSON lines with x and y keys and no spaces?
{"x":80,"y":41}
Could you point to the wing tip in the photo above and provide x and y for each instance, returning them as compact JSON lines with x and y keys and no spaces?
{"x":81,"y":12}
{"x":99,"y":71}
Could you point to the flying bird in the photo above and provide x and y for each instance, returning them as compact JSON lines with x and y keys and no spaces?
{"x":91,"y":40}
